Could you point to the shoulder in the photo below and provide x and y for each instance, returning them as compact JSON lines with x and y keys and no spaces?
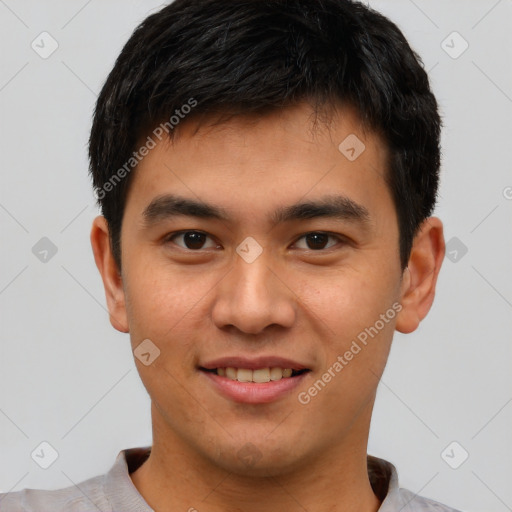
{"x":384,"y":480}
{"x":84,"y":497}
{"x":414,"y":503}
{"x":113,"y":490}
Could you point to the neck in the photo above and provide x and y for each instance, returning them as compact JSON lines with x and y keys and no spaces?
{"x":176,"y":477}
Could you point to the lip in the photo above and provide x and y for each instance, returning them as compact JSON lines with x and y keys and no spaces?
{"x":253,"y":363}
{"x":253,"y":392}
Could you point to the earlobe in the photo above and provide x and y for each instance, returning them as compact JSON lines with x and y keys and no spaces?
{"x":420,"y":277}
{"x":112,"y":279}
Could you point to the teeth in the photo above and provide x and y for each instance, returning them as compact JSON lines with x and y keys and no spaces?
{"x":259,"y":375}
{"x":244,"y":375}
{"x":276,"y":373}
{"x":262,"y":375}
{"x":230,"y":373}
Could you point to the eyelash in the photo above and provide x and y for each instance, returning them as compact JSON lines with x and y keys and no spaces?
{"x":339,"y":238}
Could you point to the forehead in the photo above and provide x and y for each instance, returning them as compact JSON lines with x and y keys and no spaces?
{"x":298,"y":127}
{"x":247,"y":162}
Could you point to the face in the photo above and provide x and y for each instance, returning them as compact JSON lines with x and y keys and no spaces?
{"x":290,"y":262}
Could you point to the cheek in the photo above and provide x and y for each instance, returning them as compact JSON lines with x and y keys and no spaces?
{"x":161,"y":301}
{"x":355,"y":322}
{"x":346,"y":301}
{"x":162,"y":290}
{"x":355,"y":345}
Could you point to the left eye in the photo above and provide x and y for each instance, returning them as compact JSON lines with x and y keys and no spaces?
{"x":318,"y":240}
{"x":192,"y":239}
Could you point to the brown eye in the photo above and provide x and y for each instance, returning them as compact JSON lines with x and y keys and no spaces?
{"x":317,"y":241}
{"x":193,"y":240}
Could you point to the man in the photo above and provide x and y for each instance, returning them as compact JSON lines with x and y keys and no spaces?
{"x":266,"y":172}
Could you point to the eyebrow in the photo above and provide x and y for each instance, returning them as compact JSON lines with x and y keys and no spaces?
{"x":333,"y":206}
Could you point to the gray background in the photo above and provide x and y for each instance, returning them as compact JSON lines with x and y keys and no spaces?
{"x":68,"y":378}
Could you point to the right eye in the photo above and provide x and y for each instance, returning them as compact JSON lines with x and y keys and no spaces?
{"x":191,"y":240}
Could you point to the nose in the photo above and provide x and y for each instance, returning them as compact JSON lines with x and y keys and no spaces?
{"x":254,"y":296}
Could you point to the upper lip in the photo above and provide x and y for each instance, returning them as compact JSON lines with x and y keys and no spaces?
{"x":253,"y":363}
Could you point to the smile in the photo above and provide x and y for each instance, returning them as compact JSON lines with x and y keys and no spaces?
{"x":254,"y":386}
{"x":259,"y":375}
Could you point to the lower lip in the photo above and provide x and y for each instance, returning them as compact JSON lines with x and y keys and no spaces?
{"x":254,"y":392}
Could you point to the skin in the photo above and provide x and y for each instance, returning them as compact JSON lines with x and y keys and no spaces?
{"x":292,"y":301}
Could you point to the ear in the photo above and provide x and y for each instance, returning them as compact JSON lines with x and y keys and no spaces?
{"x":112,"y":279}
{"x":419,"y":278}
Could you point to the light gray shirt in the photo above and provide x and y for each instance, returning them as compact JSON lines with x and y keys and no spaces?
{"x":115,"y":492}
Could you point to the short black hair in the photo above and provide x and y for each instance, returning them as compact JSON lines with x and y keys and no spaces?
{"x":240,"y":57}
